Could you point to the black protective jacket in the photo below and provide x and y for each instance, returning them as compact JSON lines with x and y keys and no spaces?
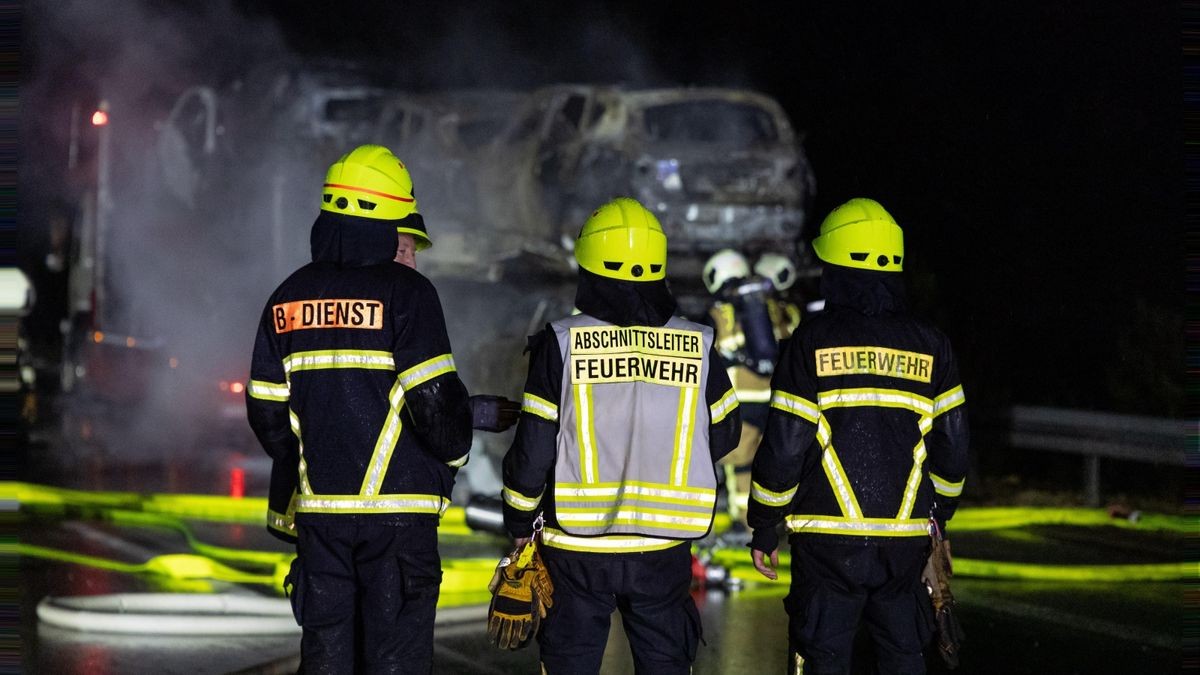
{"x":353,"y":390}
{"x":867,"y":433}
{"x":529,"y":463}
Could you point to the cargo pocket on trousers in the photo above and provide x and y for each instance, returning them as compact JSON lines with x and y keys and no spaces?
{"x":803,"y":614}
{"x":421,"y":575}
{"x":294,"y":588}
{"x":694,"y":630}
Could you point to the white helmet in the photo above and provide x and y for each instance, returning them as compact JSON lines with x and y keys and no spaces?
{"x":778,"y":268}
{"x":724,"y":265}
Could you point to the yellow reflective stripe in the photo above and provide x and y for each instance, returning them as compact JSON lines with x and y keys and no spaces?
{"x":284,"y":522}
{"x":948,"y":400}
{"x":886,"y":398}
{"x":790,"y":403}
{"x":727,"y":404}
{"x":840,"y":484}
{"x":944,"y":487}
{"x":461,"y":461}
{"x":745,"y":395}
{"x":305,"y":488}
{"x":399,"y":503}
{"x":322,"y":359}
{"x":278,"y":521}
{"x":427,"y":370}
{"x":613,"y":543}
{"x":914,"y":481}
{"x":539,"y":406}
{"x":268,"y":391}
{"x":629,"y":491}
{"x":878,"y":527}
{"x":649,"y":518}
{"x":762,"y":495}
{"x":575,"y":490}
{"x":589,"y":460}
{"x":385,"y":443}
{"x":681,"y":457}
{"x":519,"y":501}
{"x":838,"y":481}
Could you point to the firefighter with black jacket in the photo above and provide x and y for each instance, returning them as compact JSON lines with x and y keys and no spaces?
{"x":354,"y":394}
{"x":879,"y":392}
{"x":625,"y":410}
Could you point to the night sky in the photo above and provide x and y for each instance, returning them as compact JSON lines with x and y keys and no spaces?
{"x":1032,"y":151}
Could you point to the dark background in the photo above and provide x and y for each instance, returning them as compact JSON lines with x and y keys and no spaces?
{"x":1031,"y":151}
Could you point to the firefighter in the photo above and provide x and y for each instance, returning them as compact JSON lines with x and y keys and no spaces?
{"x":625,"y":411}
{"x":749,"y":319}
{"x":879,"y":392}
{"x":354,"y":394}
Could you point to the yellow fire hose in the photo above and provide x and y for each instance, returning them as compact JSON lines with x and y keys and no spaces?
{"x":465,"y":579}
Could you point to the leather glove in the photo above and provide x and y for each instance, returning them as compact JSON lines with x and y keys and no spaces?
{"x":493,"y":413}
{"x":936,"y":576}
{"x":521,"y":594}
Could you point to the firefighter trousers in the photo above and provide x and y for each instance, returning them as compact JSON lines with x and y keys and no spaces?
{"x":365,"y":595}
{"x":652,"y":591}
{"x":835,"y":586}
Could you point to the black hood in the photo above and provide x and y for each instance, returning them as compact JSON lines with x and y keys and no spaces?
{"x":624,"y":303}
{"x":864,"y":291}
{"x":350,"y":241}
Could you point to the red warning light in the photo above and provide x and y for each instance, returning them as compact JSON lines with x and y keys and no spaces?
{"x":237,"y":482}
{"x":99,"y":118}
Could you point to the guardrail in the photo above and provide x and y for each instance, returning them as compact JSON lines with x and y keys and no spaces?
{"x":1098,"y":435}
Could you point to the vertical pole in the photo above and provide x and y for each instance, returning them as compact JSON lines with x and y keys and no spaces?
{"x":1091,"y":479}
{"x":277,"y":224}
{"x":103,"y":205}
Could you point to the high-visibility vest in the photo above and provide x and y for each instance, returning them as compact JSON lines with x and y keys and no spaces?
{"x":633,"y":454}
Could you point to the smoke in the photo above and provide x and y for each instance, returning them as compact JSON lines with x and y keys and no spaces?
{"x":220,"y":133}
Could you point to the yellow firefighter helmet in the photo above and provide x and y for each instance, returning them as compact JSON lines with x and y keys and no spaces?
{"x":371,"y":182}
{"x":861,"y":234}
{"x":623,"y":240}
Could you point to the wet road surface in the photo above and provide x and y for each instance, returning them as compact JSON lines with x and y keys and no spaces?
{"x":1031,"y":627}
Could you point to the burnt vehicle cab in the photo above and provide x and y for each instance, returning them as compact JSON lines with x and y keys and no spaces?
{"x":719,"y":167}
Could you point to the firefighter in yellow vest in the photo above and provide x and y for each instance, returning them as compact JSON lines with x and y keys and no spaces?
{"x":879,"y":392}
{"x":749,"y":319}
{"x":626,"y":409}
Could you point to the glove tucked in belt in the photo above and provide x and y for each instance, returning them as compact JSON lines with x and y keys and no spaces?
{"x":521,"y":593}
{"x":936,"y":576}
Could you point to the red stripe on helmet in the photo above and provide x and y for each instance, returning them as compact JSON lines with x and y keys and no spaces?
{"x":370,"y":192}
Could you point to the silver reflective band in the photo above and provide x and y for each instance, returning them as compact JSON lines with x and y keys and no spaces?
{"x":385,"y":444}
{"x":268,"y":391}
{"x":339,"y":358}
{"x":769,"y":498}
{"x":946,"y":488}
{"x":701,"y":497}
{"x":723,"y":407}
{"x":519,"y":501}
{"x":948,"y":400}
{"x":882,"y":397}
{"x":867,"y":526}
{"x":568,"y":516}
{"x":279,"y":521}
{"x":381,"y":504}
{"x":608,"y":544}
{"x":841,"y":483}
{"x":781,"y":400}
{"x":539,"y":406}
{"x":427,"y":370}
{"x":460,"y":461}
